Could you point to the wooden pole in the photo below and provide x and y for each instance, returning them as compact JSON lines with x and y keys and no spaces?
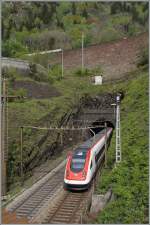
{"x":105,"y":144}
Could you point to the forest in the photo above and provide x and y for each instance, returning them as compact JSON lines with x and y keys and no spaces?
{"x":34,"y":26}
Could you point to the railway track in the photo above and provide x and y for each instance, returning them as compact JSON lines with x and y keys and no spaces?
{"x":68,"y":209}
{"x":72,"y":206}
{"x":30,"y":204}
{"x":47,"y":202}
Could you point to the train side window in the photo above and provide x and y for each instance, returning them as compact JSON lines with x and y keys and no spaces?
{"x":99,"y":154}
{"x":91,"y":165}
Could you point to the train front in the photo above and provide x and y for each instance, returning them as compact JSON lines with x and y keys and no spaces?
{"x":77,"y":176}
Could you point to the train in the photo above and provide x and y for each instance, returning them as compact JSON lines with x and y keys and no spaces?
{"x":83,"y":162}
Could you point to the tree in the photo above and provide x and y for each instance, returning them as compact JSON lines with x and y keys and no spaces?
{"x":73,"y":8}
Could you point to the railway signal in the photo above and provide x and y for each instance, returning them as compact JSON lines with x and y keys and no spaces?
{"x":118,"y":134}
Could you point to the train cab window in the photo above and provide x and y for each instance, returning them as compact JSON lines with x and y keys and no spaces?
{"x":78,"y":161}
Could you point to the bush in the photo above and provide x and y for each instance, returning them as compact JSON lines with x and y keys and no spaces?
{"x":11,"y":73}
{"x":21,"y":92}
{"x":88,"y":72}
{"x":37,"y":72}
{"x":47,"y":40}
{"x":97,"y":71}
{"x":82,"y":72}
{"x":13,"y":48}
{"x":109,"y":34}
{"x":38,"y":59}
{"x":143,"y":58}
{"x":55,"y":73}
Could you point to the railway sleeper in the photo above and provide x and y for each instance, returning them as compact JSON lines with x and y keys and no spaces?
{"x":67,"y":213}
{"x":24,"y":210}
{"x":69,"y":208}
{"x":57,"y":220}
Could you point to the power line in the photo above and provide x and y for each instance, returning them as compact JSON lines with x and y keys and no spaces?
{"x":62,"y":128}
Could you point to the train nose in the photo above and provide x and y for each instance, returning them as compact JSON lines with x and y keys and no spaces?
{"x":67,"y":174}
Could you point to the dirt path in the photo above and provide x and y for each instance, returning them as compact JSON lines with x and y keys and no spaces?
{"x":116,"y":58}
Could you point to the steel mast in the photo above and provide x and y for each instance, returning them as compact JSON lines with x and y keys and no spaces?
{"x":118,"y":133}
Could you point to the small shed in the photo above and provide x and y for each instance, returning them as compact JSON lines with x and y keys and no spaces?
{"x":98,"y":80}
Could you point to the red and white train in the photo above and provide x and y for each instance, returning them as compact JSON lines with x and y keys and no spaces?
{"x":84,"y":161}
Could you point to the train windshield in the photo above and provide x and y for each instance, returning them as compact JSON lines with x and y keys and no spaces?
{"x":78,"y":160}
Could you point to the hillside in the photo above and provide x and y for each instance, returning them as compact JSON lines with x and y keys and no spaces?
{"x":116,"y":46}
{"x":32,"y":27}
{"x":129,"y":180}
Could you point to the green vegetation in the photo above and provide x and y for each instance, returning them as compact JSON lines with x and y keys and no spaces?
{"x":129,"y":180}
{"x":55,"y":73}
{"x":144,"y":58}
{"x":37,"y":72}
{"x":36,"y":26}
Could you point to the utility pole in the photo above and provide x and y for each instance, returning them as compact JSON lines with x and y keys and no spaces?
{"x":21,"y":153}
{"x":4,"y":134}
{"x":105,"y":144}
{"x":62,"y":60}
{"x":118,"y":134}
{"x":82,"y":51}
{"x":3,"y":137}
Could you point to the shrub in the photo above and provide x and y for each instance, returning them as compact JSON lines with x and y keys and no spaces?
{"x":82,"y":72}
{"x":97,"y":71}
{"x":39,"y":59}
{"x":143,"y":58}
{"x":109,"y":34}
{"x":13,"y":48}
{"x":88,"y":72}
{"x":55,"y":73}
{"x":11,"y":73}
{"x":21,"y":92}
{"x":37,"y":72}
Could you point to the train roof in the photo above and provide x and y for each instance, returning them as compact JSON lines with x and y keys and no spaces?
{"x":85,"y":146}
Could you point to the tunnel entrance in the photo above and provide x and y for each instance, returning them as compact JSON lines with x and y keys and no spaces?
{"x":97,"y":123}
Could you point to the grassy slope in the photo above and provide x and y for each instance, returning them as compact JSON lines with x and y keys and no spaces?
{"x":130,"y":186}
{"x":129,"y":181}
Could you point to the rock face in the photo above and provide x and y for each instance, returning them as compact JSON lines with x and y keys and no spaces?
{"x":25,"y":68}
{"x":97,"y":108}
{"x":100,"y":201}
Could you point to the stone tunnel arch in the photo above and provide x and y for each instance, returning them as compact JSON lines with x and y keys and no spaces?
{"x":100,"y":123}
